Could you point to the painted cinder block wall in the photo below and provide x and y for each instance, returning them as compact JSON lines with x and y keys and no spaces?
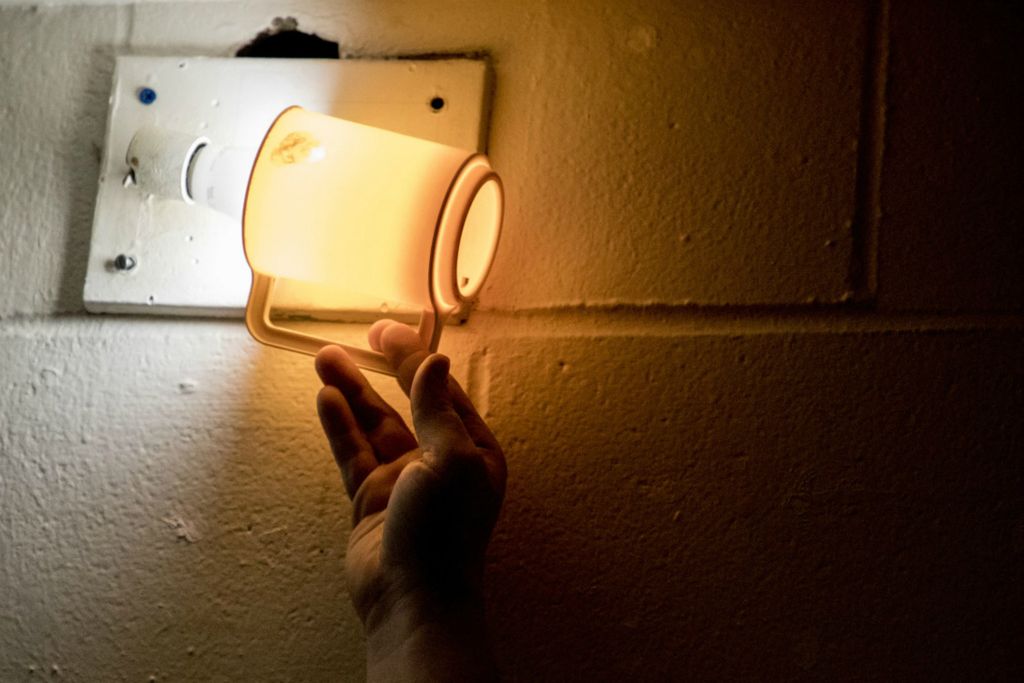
{"x":752,"y":343}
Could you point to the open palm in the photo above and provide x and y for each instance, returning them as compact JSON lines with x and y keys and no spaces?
{"x":424,"y":504}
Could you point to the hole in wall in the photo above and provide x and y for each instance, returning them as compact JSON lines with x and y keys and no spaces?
{"x":284,"y":39}
{"x":437,"y":103}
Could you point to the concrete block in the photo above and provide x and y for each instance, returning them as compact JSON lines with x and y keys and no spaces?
{"x":754,"y":507}
{"x":169,"y":508}
{"x":951,"y":202}
{"x":699,"y":153}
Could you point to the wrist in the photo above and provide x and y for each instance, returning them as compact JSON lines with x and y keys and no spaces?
{"x":417,"y":636}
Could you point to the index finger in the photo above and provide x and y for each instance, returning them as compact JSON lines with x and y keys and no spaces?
{"x":383,"y":427}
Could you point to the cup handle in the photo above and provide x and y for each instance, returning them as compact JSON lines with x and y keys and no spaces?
{"x":257,"y":319}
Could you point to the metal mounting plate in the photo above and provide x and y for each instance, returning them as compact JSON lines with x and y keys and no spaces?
{"x":188,"y":258}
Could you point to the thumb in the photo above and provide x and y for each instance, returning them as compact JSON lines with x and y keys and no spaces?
{"x":438,"y":427}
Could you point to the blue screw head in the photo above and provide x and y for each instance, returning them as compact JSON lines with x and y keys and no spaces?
{"x":147,"y":95}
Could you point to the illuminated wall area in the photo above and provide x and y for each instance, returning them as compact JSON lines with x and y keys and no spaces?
{"x":752,"y":342}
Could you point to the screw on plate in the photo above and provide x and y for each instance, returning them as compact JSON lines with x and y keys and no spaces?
{"x":147,"y":95}
{"x":124,"y":262}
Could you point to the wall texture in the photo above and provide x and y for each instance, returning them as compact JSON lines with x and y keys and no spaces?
{"x":752,"y":343}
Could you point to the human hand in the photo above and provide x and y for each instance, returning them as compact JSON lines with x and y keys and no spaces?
{"x":424,"y":506}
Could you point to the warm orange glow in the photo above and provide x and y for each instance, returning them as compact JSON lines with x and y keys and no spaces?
{"x":477,"y":244}
{"x":345,"y":206}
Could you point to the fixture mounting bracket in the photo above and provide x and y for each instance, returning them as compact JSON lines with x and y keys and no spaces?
{"x":164,"y":257}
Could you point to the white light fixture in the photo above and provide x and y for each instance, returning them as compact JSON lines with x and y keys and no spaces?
{"x":334,"y":205}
